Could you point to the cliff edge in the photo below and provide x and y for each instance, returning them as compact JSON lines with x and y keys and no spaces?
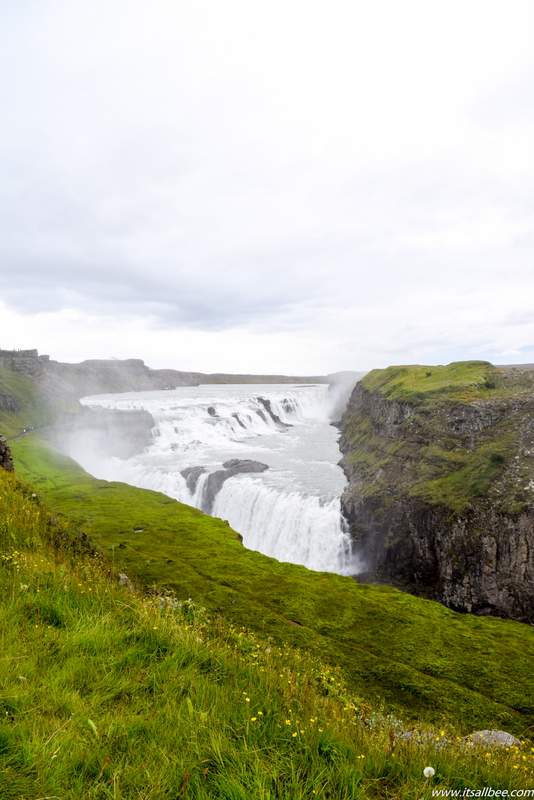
{"x":440,"y":495}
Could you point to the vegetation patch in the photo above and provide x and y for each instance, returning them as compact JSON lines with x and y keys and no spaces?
{"x":136,"y":696}
{"x":462,"y":381}
{"x":465,"y":474}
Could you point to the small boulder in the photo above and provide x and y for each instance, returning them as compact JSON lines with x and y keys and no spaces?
{"x":215,"y":481}
{"x":491,"y":738}
{"x":238,"y":465}
{"x":124,"y":580}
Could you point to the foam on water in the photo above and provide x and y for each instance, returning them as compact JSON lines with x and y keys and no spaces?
{"x":291,"y":511}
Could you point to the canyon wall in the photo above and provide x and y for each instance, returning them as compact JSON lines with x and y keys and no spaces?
{"x":440,"y":495}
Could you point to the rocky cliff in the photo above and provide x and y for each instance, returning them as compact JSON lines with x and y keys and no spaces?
{"x":440,"y":495}
{"x":28,"y":404}
{"x":28,"y":362}
{"x":6,"y":462}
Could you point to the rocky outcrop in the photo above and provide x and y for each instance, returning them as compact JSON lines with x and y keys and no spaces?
{"x":237,"y":465}
{"x":6,"y":462}
{"x":191,"y":475}
{"x":27,"y":362}
{"x":215,"y":480}
{"x":9,"y":403}
{"x":440,"y":495}
{"x":266,"y":403}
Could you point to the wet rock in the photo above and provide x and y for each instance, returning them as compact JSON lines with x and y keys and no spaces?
{"x":244,"y":465}
{"x":268,"y":408}
{"x":191,"y":475}
{"x":215,"y":481}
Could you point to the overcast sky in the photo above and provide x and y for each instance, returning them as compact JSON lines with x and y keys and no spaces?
{"x":285,"y":185}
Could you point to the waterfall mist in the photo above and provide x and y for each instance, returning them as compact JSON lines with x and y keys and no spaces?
{"x":263,"y":457}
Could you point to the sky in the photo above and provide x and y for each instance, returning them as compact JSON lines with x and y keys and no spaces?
{"x":285,"y":186}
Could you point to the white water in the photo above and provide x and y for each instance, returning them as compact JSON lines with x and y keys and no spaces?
{"x":292,"y":510}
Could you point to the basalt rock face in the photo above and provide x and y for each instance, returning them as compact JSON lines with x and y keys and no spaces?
{"x":9,"y":403}
{"x":6,"y":462}
{"x":440,"y":494}
{"x":28,"y":362}
{"x":191,"y":475}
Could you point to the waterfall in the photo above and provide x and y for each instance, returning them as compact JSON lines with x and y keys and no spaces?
{"x":262,"y":457}
{"x":288,"y":526}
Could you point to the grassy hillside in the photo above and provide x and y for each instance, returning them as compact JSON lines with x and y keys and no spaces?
{"x":106,"y":693}
{"x":462,"y":381}
{"x":425,"y":661}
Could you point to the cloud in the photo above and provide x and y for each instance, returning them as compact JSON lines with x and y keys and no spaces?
{"x":341,"y":180}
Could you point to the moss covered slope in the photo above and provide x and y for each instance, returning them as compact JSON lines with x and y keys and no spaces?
{"x":106,"y":693}
{"x":424,"y":660}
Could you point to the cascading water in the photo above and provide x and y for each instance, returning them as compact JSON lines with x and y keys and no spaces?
{"x":262,"y":457}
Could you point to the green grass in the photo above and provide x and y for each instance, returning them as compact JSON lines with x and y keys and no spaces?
{"x":28,"y":408}
{"x":106,"y":693}
{"x":461,"y":380}
{"x":424,"y":661}
{"x":469,"y":474}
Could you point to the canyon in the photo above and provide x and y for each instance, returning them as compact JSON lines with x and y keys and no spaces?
{"x":440,"y":494}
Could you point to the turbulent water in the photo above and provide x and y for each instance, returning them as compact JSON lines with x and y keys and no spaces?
{"x":290,"y":510}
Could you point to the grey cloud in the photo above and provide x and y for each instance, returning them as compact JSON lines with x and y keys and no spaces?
{"x":200,"y":176}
